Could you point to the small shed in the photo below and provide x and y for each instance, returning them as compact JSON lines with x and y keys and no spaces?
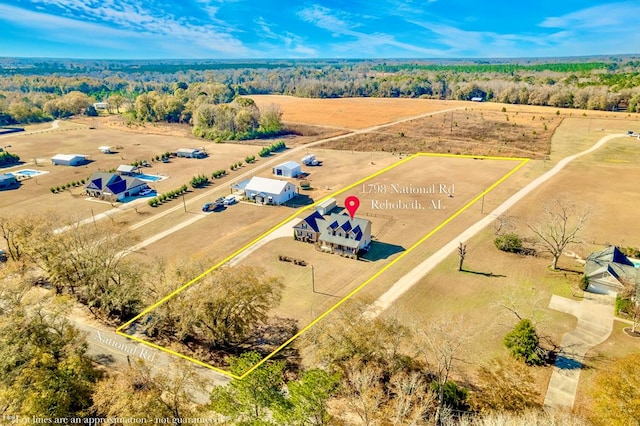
{"x":290,"y":169}
{"x":127,"y":169}
{"x":68,"y":159}
{"x":477,"y":99}
{"x":326,"y":206}
{"x":105,"y":149}
{"x":7,"y":181}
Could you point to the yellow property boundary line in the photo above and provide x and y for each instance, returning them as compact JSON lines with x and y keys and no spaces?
{"x":119,"y":331}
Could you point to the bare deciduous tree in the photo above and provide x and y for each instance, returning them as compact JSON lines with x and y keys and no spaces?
{"x":364,"y":392}
{"x":462,"y":253}
{"x":441,"y":343}
{"x":559,"y":225}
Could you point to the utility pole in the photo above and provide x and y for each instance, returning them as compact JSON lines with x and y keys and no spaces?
{"x":313,"y":279}
{"x":183,"y":203}
{"x":451,"y":131}
{"x":482,"y":206}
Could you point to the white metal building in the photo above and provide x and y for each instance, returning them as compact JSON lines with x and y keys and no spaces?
{"x":190,"y":153}
{"x":269,"y":191}
{"x":68,"y":159}
{"x":290,"y":169}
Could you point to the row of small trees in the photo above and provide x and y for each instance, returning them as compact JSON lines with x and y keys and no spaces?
{"x":199,"y":181}
{"x":168,"y":196}
{"x":74,"y":184}
{"x":218,"y":174}
{"x":267,"y":150}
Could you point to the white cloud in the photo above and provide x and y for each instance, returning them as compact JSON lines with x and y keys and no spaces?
{"x":607,"y":17}
{"x":361,"y":44}
{"x":293,"y":44}
{"x":157,"y":27}
{"x":327,"y":19}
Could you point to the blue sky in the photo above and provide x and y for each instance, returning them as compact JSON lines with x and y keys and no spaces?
{"x":228,"y":29}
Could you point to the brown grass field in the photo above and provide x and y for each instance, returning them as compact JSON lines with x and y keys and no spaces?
{"x":395,"y":230}
{"x":605,"y":181}
{"x":472,"y":131}
{"x":349,"y":113}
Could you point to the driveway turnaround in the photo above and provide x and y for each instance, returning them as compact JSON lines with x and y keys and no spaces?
{"x":595,"y":323}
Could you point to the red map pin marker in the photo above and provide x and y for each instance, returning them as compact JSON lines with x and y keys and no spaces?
{"x":352,"y":203}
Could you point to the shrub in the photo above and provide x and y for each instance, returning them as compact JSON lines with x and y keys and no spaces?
{"x":623,"y":305}
{"x":523,"y":343}
{"x":454,"y":396}
{"x":584,"y":283}
{"x":53,"y":190}
{"x":510,"y":242}
{"x":199,"y":181}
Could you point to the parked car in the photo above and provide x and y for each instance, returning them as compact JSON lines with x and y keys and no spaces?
{"x":145,"y":191}
{"x":213,"y":207}
{"x":230,"y":199}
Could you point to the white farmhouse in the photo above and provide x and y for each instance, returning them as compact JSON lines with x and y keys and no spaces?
{"x":269,"y":191}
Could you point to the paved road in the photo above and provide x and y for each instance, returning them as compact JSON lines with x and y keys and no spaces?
{"x":54,"y":125}
{"x":112,"y":350}
{"x":595,"y":323}
{"x":415,"y":275}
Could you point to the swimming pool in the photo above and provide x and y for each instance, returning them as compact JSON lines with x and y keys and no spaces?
{"x":149,"y":178}
{"x":28,"y":172}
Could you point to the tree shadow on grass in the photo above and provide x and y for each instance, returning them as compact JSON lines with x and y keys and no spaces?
{"x":104,"y":359}
{"x":567,"y":363}
{"x":486,"y":274}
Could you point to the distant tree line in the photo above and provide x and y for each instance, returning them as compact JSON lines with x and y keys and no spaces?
{"x":173,"y":92}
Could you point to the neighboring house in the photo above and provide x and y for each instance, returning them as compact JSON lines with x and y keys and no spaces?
{"x":269,"y":191}
{"x":326,"y":206}
{"x":127,"y":170}
{"x":609,"y":270}
{"x":337,"y":233}
{"x":112,"y":186}
{"x":68,"y":159}
{"x":190,"y":153}
{"x":290,"y":169}
{"x":8,"y":181}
